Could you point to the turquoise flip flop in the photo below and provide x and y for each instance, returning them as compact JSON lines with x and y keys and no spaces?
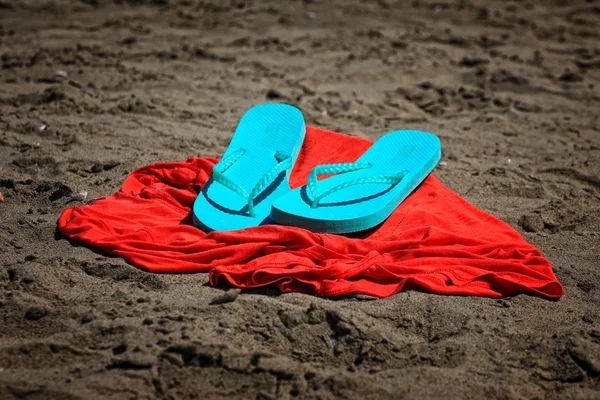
{"x":365,"y":192}
{"x":254,"y":170}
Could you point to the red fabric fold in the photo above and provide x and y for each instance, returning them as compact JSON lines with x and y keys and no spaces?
{"x":435,"y":241}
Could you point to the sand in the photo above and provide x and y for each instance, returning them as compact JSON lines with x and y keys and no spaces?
{"x":91,"y":90}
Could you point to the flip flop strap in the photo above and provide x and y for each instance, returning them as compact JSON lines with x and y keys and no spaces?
{"x":347,"y":167}
{"x":224,"y":165}
{"x":284,"y":162}
{"x":339,"y":168}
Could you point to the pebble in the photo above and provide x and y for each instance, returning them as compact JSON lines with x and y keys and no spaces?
{"x":87,"y":318}
{"x":226,"y":297}
{"x":81,"y":195}
{"x":35,"y":313}
{"x":119,"y":349}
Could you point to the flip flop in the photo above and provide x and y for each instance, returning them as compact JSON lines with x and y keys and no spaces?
{"x":254,"y":170}
{"x":365,"y":192}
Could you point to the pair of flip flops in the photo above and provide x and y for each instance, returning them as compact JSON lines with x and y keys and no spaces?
{"x":250,"y":185}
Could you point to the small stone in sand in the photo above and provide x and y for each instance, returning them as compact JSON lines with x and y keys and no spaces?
{"x":87,"y":318}
{"x":81,"y":195}
{"x":1,"y":197}
{"x":226,"y":297}
{"x":35,"y":313}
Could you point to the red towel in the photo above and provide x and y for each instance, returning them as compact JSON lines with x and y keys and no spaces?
{"x":435,"y":241}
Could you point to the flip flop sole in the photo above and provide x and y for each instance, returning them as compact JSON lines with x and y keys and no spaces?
{"x":362,"y":207}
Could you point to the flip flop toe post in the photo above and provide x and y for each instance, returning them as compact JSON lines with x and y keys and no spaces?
{"x":363,"y":193}
{"x":254,"y":170}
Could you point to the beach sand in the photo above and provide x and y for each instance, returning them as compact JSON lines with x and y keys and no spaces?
{"x":91,"y":90}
